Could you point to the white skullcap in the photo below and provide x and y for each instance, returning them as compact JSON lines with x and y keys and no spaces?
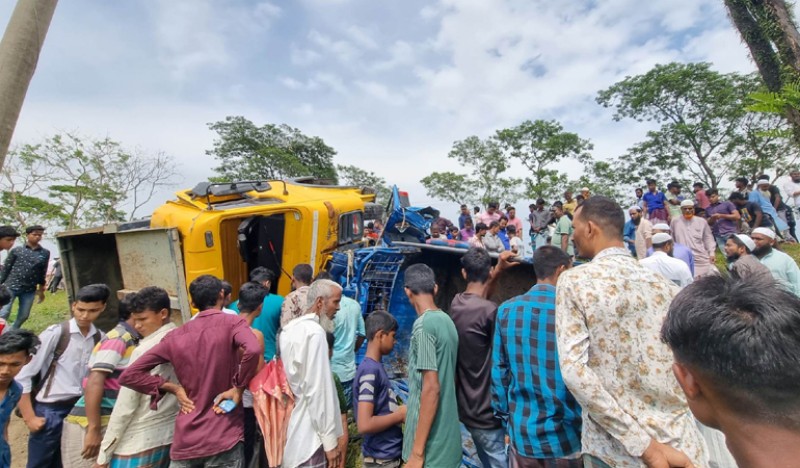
{"x":764,"y":232}
{"x":763,"y":182}
{"x":686,"y":203}
{"x":634,"y":207}
{"x":661,"y":238}
{"x":747,"y":241}
{"x":584,"y":189}
{"x":662,"y":227}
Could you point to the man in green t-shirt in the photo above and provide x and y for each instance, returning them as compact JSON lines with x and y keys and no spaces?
{"x":432,"y":434}
{"x":562,"y":237}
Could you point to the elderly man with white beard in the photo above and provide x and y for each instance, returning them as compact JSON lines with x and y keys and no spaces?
{"x":315,"y":424}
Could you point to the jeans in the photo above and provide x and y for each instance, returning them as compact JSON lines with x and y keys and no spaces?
{"x":233,"y":458}
{"x":348,"y":394}
{"x":538,"y":240}
{"x":44,"y":447}
{"x":491,"y":446}
{"x":24,"y":309}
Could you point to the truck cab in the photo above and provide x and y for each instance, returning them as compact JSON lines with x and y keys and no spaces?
{"x":221,"y":229}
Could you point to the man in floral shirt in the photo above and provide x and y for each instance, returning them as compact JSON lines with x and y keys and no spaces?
{"x":608,"y":321}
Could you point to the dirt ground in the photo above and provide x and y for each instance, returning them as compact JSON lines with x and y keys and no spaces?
{"x":18,"y":439}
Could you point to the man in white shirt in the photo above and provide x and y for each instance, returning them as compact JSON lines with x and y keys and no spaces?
{"x":315,"y":424}
{"x":792,"y":187}
{"x":61,"y":381}
{"x":663,"y":263}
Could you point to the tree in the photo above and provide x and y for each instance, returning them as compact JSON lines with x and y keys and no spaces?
{"x":770,"y":32}
{"x":352,"y":175}
{"x":486,"y":180}
{"x":246,"y":152}
{"x":76,"y":182}
{"x":699,"y":112}
{"x":538,"y":145}
{"x":769,"y":147}
{"x":19,"y":54}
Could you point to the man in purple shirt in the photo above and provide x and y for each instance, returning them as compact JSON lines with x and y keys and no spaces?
{"x":723,"y":216}
{"x":214,"y":357}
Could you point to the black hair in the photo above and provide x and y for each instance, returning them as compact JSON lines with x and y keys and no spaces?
{"x":93,"y":293}
{"x":712,"y":191}
{"x":509,"y":208}
{"x":742,"y":180}
{"x":604,"y":212}
{"x":323,"y":275}
{"x":453,"y":228}
{"x":477,"y":264}
{"x":150,"y":298}
{"x":303,"y":273}
{"x":331,"y":338}
{"x":5,"y":295}
{"x":205,"y":291}
{"x":463,"y":206}
{"x":547,"y":259}
{"x":262,"y":274}
{"x":650,"y":181}
{"x":675,"y":183}
{"x":638,"y":189}
{"x":493,"y":204}
{"x":511,"y":229}
{"x":476,"y":209}
{"x":227,"y":288}
{"x":251,"y":295}
{"x":579,"y":197}
{"x":124,"y":309}
{"x":737,"y":196}
{"x":743,"y":335}
{"x":35,"y":227}
{"x":8,"y":231}
{"x":493,"y":224}
{"x":698,"y":184}
{"x":379,"y":321}
{"x":17,"y":339}
{"x":419,"y":278}
{"x":539,"y":201}
{"x":481,"y":227}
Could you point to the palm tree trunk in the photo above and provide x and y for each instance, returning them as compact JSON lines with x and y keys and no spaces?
{"x":19,"y":54}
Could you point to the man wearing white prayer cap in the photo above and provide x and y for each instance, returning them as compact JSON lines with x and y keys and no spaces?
{"x":783,"y":268}
{"x":695,"y":233}
{"x":679,"y":251}
{"x":739,"y":249}
{"x":663,"y":263}
{"x":644,"y":231}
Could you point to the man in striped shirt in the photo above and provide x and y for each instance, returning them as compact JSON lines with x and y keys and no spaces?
{"x":542,"y":417}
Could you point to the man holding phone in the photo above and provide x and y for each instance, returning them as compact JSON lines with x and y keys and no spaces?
{"x":214,"y":357}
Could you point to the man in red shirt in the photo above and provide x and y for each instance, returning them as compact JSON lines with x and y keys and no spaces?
{"x":214,"y":356}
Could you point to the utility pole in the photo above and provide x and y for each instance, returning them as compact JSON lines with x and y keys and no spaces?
{"x":19,"y":54}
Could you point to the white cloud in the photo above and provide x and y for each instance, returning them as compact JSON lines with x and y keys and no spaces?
{"x":401,"y":54}
{"x":304,"y":57}
{"x":340,"y":49}
{"x":361,"y":37}
{"x":382,"y":93}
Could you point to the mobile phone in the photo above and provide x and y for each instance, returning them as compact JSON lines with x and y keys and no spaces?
{"x":227,"y":405}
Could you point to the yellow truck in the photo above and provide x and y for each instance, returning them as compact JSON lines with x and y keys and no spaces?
{"x":221,"y":229}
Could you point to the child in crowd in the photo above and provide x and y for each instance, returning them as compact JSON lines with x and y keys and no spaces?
{"x":376,"y":412}
{"x":16,"y":348}
{"x":517,"y":246}
{"x":345,"y":437}
{"x":454,"y":233}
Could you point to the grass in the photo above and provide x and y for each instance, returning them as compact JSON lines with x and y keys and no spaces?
{"x":54,"y":309}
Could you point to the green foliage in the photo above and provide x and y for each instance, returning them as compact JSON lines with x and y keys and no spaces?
{"x":352,"y":175}
{"x":486,"y":180}
{"x":538,"y":145}
{"x":74,"y":182}
{"x":700,"y":112}
{"x":246,"y":152}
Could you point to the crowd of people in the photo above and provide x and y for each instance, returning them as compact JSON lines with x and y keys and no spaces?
{"x":644,"y":355}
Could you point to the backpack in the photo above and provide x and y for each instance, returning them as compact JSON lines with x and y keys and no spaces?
{"x":62,"y":345}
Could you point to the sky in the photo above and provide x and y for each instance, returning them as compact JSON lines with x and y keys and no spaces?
{"x":389,"y":84}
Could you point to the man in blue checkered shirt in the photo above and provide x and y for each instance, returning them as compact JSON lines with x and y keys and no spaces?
{"x":542,"y":417}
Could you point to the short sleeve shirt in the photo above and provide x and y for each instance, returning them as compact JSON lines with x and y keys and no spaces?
{"x":655,"y":201}
{"x":563,"y":227}
{"x":269,"y":322}
{"x":722,"y":227}
{"x":434,"y":346}
{"x":349,"y":325}
{"x":372,"y":385}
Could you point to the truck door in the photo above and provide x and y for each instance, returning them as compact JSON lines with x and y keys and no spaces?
{"x":152,"y":257}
